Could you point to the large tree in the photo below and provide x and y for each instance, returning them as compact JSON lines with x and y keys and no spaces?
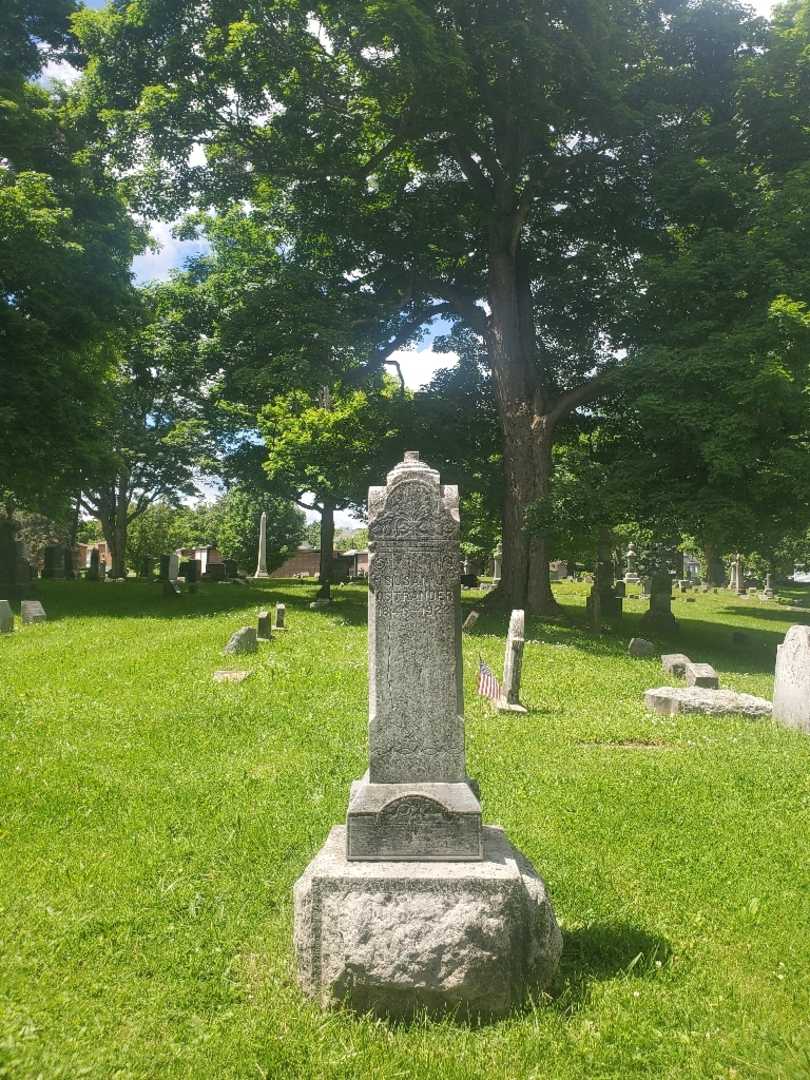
{"x":502,"y":164}
{"x":65,"y":247}
{"x":156,"y":434}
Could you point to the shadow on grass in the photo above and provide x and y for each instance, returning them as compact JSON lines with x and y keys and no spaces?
{"x":134,"y":599}
{"x":601,"y":952}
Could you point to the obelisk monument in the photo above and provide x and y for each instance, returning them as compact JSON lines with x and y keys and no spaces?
{"x":261,"y":563}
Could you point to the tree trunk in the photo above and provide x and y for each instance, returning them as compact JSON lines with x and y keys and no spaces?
{"x":327,"y":550}
{"x":112,"y":510}
{"x":528,"y":436}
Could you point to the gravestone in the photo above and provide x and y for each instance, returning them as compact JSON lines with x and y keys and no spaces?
{"x":659,"y":615}
{"x":675,"y":663}
{"x":261,"y":562}
{"x":631,"y":560}
{"x":739,"y":578}
{"x":147,"y":568}
{"x":163,"y":573}
{"x":513,"y":665}
{"x":671,"y":700}
{"x":639,"y":646}
{"x":215,"y":571}
{"x":32,"y":611}
{"x":791,"y":688}
{"x":93,"y":569}
{"x":620,"y":590}
{"x":415,"y":904}
{"x":497,"y":556}
{"x":603,"y":601}
{"x":470,"y":621}
{"x":231,"y":568}
{"x":768,"y":594}
{"x":281,"y":615}
{"x":6,"y":617}
{"x":263,"y":628}
{"x":702,"y":675}
{"x":54,"y":556}
{"x":230,"y":676}
{"x":173,"y":571}
{"x":241,"y":641}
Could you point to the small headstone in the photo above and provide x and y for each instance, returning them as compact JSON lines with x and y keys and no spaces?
{"x":231,"y":568}
{"x":281,"y":614}
{"x":791,"y":688}
{"x":691,"y":600}
{"x":470,"y":621}
{"x":768,"y":594}
{"x":231,"y":676}
{"x":32,"y":611}
{"x":639,"y":646}
{"x":620,"y":590}
{"x":242,"y":640}
{"x":163,"y":573}
{"x":702,"y":675}
{"x":6,"y":617}
{"x":674,"y":663}
{"x":669,"y":700}
{"x":173,"y":571}
{"x":263,"y":629}
{"x":513,"y":665}
{"x":752,"y":590}
{"x":321,"y":602}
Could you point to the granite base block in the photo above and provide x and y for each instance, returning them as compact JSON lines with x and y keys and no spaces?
{"x":395,"y":937}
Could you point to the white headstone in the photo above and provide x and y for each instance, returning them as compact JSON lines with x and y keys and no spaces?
{"x":791,"y":688}
{"x":281,"y":612}
{"x":261,"y":562}
{"x":513,"y":664}
{"x":174,"y":566}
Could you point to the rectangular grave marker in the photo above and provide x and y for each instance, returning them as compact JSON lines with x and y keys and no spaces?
{"x":32,"y":611}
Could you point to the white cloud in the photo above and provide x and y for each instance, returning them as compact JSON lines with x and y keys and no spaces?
{"x":60,"y":71}
{"x":155,"y":265}
{"x":419,"y":365}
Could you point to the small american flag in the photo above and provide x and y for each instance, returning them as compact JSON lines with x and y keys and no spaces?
{"x":488,"y":685}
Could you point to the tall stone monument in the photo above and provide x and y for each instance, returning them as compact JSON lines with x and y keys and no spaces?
{"x":261,"y":562}
{"x":791,"y":686}
{"x":602,"y":601}
{"x":414,"y":903}
{"x":631,"y":562}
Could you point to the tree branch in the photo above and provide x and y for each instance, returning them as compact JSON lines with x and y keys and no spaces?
{"x":578,"y":395}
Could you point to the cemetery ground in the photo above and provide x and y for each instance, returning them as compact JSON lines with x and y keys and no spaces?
{"x":153,"y":822}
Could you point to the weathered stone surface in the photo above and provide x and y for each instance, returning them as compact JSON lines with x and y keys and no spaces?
{"x":393,"y":937}
{"x":669,"y":700}
{"x":674,"y":663}
{"x":242,"y":640}
{"x":470,"y":621}
{"x":791,"y":688}
{"x":639,"y":646}
{"x":264,"y":631}
{"x":32,"y":611}
{"x":281,"y":615}
{"x":174,"y":566}
{"x":261,"y":561}
{"x":416,"y":730}
{"x":405,"y":821}
{"x":702,"y":675}
{"x":513,"y":664}
{"x":231,"y":676}
{"x":6,"y":617}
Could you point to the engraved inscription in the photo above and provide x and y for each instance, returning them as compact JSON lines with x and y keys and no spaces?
{"x":416,"y":826}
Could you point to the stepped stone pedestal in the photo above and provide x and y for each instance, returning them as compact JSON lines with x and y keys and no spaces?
{"x":415,"y":904}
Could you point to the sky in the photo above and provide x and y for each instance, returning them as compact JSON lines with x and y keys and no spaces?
{"x":418,"y":364}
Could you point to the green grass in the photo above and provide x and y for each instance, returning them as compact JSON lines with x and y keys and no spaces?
{"x":152,"y":824}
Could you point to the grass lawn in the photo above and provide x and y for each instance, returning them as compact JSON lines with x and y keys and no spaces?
{"x":152,"y":824}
